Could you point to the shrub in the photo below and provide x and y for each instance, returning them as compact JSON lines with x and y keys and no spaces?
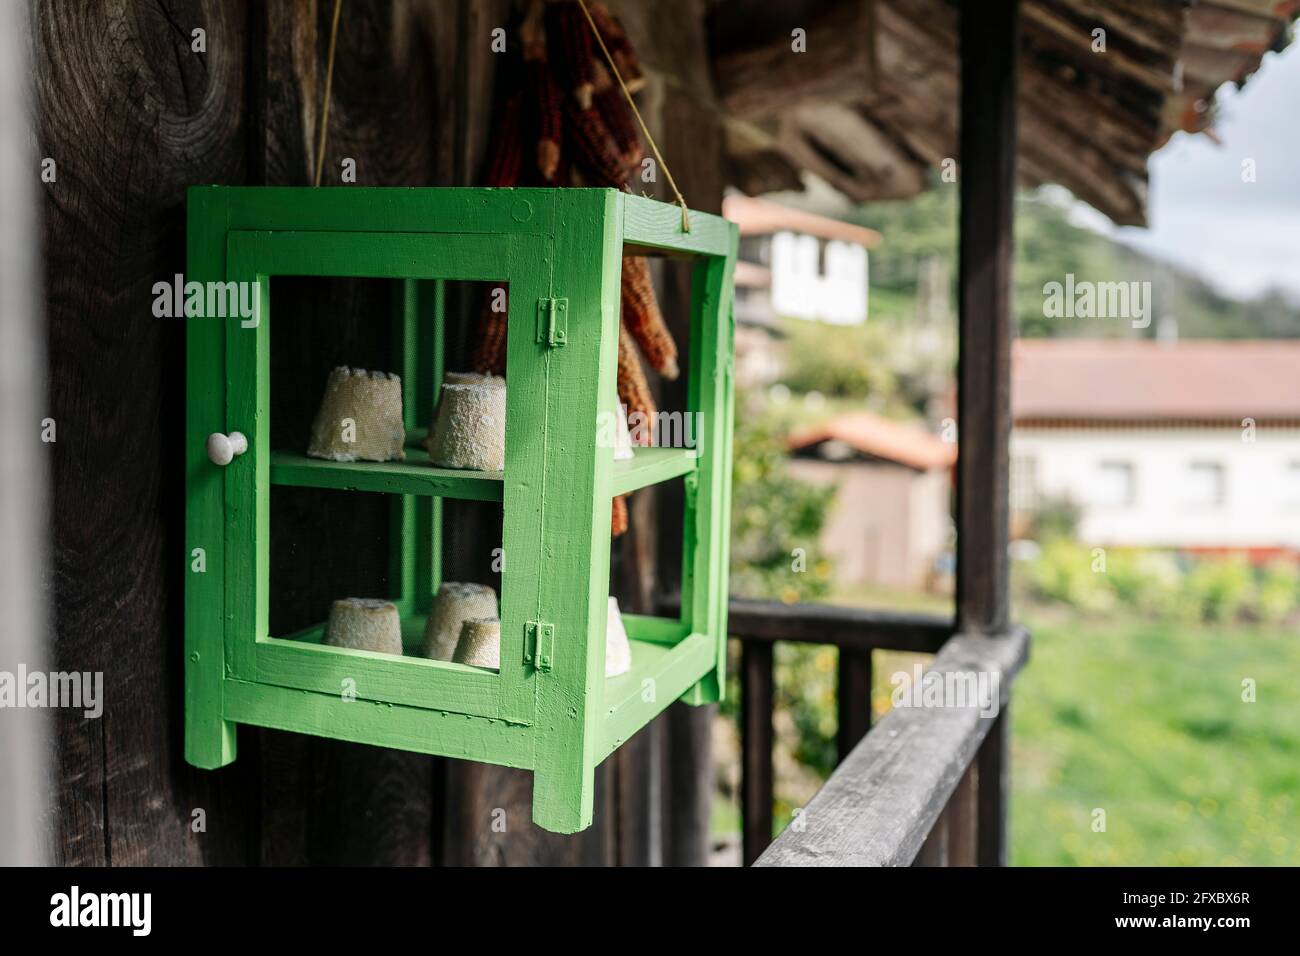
{"x":1148,"y":581}
{"x":1278,"y":592}
{"x":1064,"y":572}
{"x":839,"y":361}
{"x":1056,"y":518}
{"x":772,"y":513}
{"x":1218,"y":588}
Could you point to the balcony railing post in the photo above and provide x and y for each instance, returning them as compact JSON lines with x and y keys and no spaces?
{"x":853,"y":698}
{"x":756,"y":741}
{"x":990,"y":44}
{"x":992,"y":771}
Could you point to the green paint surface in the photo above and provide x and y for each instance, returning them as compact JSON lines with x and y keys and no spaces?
{"x":556,"y":489}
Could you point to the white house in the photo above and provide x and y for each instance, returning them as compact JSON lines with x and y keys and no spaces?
{"x":792,"y":264}
{"x":1192,"y":445}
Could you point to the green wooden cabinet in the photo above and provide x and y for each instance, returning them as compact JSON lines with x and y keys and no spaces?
{"x":549,"y":708}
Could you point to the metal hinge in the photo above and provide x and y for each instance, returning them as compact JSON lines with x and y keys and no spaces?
{"x":553,"y":322}
{"x":539,"y":645}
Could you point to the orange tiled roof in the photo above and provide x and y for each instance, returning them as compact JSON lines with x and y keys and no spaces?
{"x":880,"y":437}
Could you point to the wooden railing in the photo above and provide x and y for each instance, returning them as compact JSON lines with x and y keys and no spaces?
{"x":927,"y":786}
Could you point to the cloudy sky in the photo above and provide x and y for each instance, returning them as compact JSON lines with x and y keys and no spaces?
{"x":1242,"y":237}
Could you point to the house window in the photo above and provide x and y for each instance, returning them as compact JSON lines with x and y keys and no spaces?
{"x":1205,"y":484}
{"x":1024,"y":484}
{"x":1114,"y":485}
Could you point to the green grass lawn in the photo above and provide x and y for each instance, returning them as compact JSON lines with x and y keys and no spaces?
{"x":1146,"y":721}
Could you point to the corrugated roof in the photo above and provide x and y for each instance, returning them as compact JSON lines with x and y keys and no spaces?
{"x":878,"y":437}
{"x":1116,"y":380}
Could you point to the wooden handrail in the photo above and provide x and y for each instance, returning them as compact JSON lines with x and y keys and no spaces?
{"x":847,"y":627}
{"x":884,"y":799}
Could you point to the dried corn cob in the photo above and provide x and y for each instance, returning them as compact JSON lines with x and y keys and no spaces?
{"x":490,"y":351}
{"x":643,"y":319}
{"x":549,"y":121}
{"x":546,"y":97}
{"x":569,"y":37}
{"x":532,"y":31}
{"x":618,"y":517}
{"x":620,"y":48}
{"x":505,"y":151}
{"x":594,"y":148}
{"x":634,"y":390}
{"x":611,"y":105}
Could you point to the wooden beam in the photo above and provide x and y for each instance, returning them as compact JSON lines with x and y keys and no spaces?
{"x":990,"y":41}
{"x":756,"y":739}
{"x":882,"y":802}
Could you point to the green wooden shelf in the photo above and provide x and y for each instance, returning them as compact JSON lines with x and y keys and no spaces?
{"x":650,"y":466}
{"x":666,"y":661}
{"x":415,"y":476}
{"x":552,"y":713}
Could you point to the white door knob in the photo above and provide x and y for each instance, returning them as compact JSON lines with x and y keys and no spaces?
{"x":222,"y":449}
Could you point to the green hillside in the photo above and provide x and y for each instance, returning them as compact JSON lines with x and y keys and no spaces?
{"x":1048,"y":246}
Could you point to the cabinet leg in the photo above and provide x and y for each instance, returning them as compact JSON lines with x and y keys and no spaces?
{"x":563,"y":795}
{"x":707,"y":691}
{"x":209,"y":738}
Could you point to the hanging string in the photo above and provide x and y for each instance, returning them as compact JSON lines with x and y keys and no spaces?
{"x":329,"y":81}
{"x":681,"y":201}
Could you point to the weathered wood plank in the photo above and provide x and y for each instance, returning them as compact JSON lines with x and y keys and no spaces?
{"x":131,"y":115}
{"x":881,"y":803}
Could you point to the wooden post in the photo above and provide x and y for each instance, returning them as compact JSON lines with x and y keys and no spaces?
{"x":963,"y":819}
{"x":990,"y":41}
{"x":992,"y":766}
{"x":934,"y":852}
{"x":756,"y":693}
{"x":853,"y":698}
